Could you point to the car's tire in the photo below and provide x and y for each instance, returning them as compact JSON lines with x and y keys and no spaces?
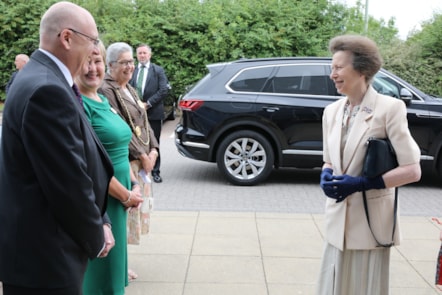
{"x":245,"y":158}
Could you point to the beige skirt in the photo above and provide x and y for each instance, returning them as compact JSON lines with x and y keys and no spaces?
{"x":350,"y":272}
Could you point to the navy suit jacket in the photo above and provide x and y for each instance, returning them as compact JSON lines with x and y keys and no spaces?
{"x":54,"y":178}
{"x":155,"y":90}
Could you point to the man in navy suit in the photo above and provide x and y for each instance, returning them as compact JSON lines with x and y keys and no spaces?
{"x":152,"y":85}
{"x":54,"y":172}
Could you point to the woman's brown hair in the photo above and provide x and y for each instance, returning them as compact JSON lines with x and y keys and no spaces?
{"x":366,"y":57}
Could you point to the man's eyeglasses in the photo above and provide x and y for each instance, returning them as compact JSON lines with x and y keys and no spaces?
{"x":126,"y":62}
{"x":95,"y":41}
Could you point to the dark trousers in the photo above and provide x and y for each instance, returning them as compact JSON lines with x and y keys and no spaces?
{"x":14,"y":290}
{"x":156,"y":127}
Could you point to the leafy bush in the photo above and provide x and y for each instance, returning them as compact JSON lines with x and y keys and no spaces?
{"x":185,"y":35}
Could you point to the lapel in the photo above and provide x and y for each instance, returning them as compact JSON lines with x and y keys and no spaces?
{"x":127,"y":100}
{"x":150,"y":75}
{"x":135,"y":77}
{"x":359,"y":128}
{"x":48,"y":62}
{"x":335,"y":135}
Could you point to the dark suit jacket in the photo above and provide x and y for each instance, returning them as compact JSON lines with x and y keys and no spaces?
{"x":8,"y":85}
{"x":54,"y":178}
{"x":155,"y":91}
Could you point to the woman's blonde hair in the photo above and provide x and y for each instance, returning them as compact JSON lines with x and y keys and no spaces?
{"x":102,"y":50}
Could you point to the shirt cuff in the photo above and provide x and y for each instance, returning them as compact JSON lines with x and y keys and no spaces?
{"x":102,"y":249}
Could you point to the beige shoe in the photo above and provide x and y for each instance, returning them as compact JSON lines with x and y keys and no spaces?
{"x":131,"y":275}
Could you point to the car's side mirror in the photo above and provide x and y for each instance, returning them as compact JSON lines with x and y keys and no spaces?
{"x":406,"y":96}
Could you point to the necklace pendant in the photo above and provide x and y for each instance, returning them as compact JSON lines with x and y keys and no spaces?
{"x":141,"y":104}
{"x":138,"y":130}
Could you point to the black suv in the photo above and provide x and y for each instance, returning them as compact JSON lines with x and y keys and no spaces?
{"x":252,"y":115}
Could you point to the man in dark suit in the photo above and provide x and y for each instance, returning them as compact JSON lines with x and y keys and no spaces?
{"x":20,"y":61}
{"x":152,"y":86}
{"x":54,"y":173}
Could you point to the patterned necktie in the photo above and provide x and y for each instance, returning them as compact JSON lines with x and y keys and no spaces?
{"x":140,"y":81}
{"x":77,"y":94}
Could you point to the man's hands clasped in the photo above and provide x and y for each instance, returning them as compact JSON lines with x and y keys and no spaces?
{"x":339,"y":187}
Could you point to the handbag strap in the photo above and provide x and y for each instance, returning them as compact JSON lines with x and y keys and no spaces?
{"x":394,"y":219}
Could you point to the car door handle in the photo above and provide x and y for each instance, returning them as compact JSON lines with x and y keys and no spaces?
{"x":270,"y":109}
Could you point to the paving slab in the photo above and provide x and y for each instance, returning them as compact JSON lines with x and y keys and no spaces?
{"x":200,"y":253}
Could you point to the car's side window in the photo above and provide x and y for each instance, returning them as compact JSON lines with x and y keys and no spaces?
{"x":301,"y":79}
{"x":251,"y":80}
{"x":384,"y":85}
{"x":308,"y":79}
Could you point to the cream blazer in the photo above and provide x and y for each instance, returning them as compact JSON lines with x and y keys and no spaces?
{"x":380,"y":116}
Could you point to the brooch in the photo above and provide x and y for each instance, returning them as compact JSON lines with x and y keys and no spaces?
{"x":367,"y":110}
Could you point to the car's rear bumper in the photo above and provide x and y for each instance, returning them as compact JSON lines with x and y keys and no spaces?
{"x":191,"y":149}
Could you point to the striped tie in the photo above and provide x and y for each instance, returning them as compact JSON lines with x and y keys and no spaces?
{"x":140,"y":81}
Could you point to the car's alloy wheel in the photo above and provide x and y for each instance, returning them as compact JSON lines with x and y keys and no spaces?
{"x":245,"y":158}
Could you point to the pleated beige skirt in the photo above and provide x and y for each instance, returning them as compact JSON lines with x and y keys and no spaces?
{"x":354,"y":272}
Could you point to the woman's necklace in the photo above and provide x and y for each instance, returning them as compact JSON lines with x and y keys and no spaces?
{"x":136,"y":129}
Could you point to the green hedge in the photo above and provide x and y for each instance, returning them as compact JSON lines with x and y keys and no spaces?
{"x":185,"y":35}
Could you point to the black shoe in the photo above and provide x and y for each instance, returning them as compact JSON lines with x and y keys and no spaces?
{"x":157,"y":178}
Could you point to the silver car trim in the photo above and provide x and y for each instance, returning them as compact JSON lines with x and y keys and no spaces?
{"x":196,"y":144}
{"x":319,"y":153}
{"x":302,"y":152}
{"x":427,"y":158}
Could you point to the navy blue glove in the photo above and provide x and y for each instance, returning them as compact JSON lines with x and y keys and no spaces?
{"x":345,"y":185}
{"x":327,"y":177}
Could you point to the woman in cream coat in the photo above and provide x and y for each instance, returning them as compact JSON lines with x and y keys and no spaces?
{"x":352,"y":263}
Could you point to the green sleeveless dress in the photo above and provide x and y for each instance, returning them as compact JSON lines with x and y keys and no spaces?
{"x":109,"y":275}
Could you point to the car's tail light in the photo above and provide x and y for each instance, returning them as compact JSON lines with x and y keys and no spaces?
{"x":190,"y":104}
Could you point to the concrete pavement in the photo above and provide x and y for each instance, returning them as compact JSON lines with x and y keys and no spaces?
{"x":265,"y":239}
{"x":219,"y":253}
{"x":257,"y":253}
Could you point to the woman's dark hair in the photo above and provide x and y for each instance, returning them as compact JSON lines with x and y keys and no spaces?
{"x":366,"y":57}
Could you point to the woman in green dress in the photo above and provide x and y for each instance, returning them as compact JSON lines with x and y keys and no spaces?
{"x":143,"y":148}
{"x":109,"y":275}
